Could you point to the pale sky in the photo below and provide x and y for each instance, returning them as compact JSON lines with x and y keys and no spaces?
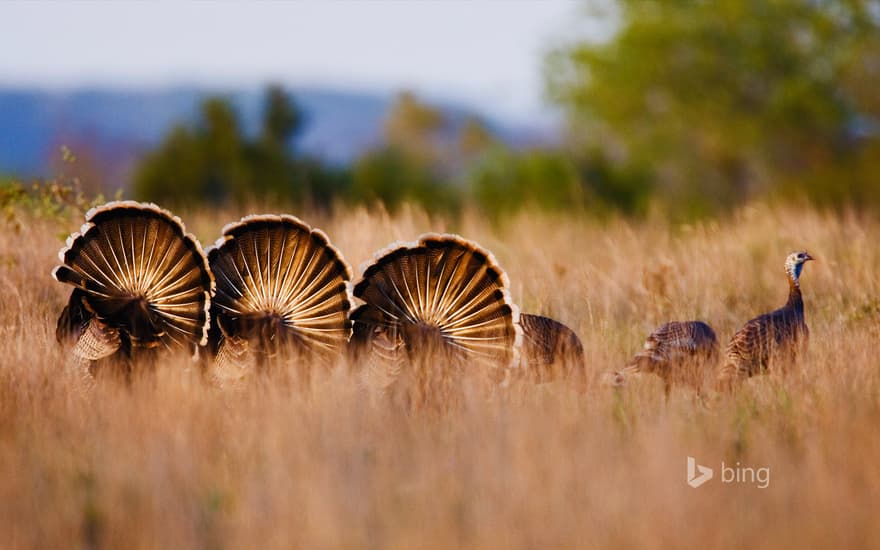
{"x":487,"y":53}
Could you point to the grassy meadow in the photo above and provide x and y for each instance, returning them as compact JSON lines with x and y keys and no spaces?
{"x":171,"y":462}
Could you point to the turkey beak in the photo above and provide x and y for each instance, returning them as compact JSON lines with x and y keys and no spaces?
{"x":808,"y":258}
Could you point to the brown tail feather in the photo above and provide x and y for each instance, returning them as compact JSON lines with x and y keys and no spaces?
{"x":281,"y":284}
{"x":443,"y":294}
{"x":137,"y":270}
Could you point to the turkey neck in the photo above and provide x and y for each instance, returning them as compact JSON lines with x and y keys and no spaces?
{"x":795,"y":300}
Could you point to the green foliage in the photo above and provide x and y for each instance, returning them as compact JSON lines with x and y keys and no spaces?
{"x":50,"y":199}
{"x":215,"y":162}
{"x":415,"y":163}
{"x":204,"y":163}
{"x":728,"y":100}
{"x":414,"y":129}
{"x":60,"y":198}
{"x":431,"y":161}
{"x":427,"y":161}
{"x":626,"y":188}
{"x":505,"y":181}
{"x":282,"y":119}
{"x":392,"y":176}
{"x":426,"y":158}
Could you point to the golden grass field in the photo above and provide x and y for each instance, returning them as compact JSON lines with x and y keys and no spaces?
{"x":171,"y":462}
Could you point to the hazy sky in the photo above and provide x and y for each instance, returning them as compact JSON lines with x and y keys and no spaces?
{"x":484,"y":52}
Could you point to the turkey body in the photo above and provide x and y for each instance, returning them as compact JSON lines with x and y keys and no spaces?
{"x":775,"y":338}
{"x":678,"y":352}
{"x":551,"y":351}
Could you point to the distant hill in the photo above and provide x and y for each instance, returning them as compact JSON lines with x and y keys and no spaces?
{"x":115,"y":126}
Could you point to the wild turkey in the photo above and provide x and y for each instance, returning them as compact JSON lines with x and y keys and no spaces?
{"x":282,"y":288}
{"x":551,"y":350}
{"x":141,"y":282}
{"x":439,"y":305}
{"x":771,"y":338}
{"x":678,"y":352}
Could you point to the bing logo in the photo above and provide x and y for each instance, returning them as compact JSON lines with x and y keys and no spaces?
{"x":729,"y":474}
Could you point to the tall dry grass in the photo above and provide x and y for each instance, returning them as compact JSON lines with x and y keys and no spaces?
{"x":169,"y":462}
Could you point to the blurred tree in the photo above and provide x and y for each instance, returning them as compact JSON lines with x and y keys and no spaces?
{"x":173,"y":172}
{"x":275,"y":171}
{"x":215,"y":162}
{"x":414,"y":164}
{"x":414,"y":128}
{"x":282,"y":118}
{"x":205,"y":163}
{"x":393,"y":177}
{"x":221,"y":146}
{"x":389,"y":176}
{"x":723,"y":100}
{"x":505,"y":181}
{"x":626,"y":188}
{"x":475,"y":137}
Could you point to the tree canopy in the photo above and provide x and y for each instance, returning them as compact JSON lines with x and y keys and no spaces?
{"x":725,"y":100}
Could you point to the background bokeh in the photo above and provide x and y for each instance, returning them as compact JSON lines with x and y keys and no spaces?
{"x":687,"y":109}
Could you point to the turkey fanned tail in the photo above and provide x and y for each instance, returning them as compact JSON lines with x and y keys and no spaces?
{"x":141,"y":281}
{"x":442,"y":295}
{"x":281,"y":287}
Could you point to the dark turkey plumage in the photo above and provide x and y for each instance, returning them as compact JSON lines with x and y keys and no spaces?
{"x":678,"y":352}
{"x":550,"y":351}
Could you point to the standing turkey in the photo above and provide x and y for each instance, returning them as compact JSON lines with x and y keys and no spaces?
{"x":282,"y":291}
{"x":141,"y":282}
{"x":551,"y":351}
{"x":678,"y":352}
{"x":434,"y":310}
{"x":774,"y":338}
